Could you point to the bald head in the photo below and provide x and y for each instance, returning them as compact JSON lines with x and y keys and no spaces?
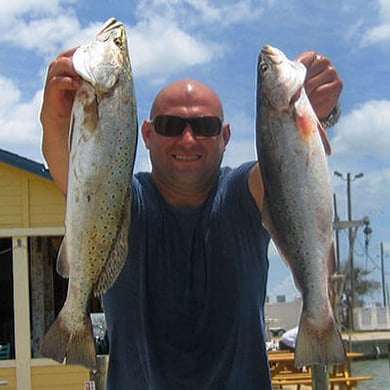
{"x":187,"y":98}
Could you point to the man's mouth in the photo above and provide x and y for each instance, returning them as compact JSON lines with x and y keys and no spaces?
{"x":186,"y":157}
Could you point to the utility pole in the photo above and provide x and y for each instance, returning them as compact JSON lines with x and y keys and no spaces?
{"x":383,"y":276}
{"x":344,"y":225}
{"x":350,"y":239}
{"x":336,"y":219}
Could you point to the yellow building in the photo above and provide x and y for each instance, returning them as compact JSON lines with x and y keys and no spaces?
{"x":32,"y":213}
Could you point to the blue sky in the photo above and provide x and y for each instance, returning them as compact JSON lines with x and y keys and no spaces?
{"x":218,"y":42}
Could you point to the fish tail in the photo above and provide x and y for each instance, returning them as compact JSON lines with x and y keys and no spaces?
{"x":54,"y":343}
{"x":77,"y":346}
{"x":81,"y":348}
{"x":318,"y":344}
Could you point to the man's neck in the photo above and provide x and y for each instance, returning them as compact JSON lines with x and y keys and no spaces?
{"x":183,"y":196}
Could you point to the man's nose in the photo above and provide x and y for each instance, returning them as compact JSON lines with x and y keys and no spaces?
{"x":188,"y":135}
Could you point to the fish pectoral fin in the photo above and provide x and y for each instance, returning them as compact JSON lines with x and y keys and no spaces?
{"x":304,"y":126}
{"x":63,"y":265}
{"x":306,"y":129}
{"x":324,"y":139}
{"x":118,"y":256}
{"x":71,"y":131}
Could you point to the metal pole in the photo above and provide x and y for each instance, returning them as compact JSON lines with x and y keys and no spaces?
{"x":383,"y":276}
{"x":336,"y":219}
{"x":351,"y":264}
{"x":351,"y":239}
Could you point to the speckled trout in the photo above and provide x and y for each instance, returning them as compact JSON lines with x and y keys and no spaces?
{"x":292,"y":150}
{"x":103,"y":139}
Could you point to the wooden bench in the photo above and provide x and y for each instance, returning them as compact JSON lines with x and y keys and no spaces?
{"x":284,"y":372}
{"x":304,"y":378}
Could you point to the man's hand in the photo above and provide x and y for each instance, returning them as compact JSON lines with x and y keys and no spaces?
{"x":60,"y":88}
{"x":61,"y":84}
{"x":323,"y":84}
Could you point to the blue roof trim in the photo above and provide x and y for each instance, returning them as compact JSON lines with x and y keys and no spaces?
{"x":24,"y":163}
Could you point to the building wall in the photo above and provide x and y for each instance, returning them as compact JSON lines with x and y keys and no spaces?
{"x":28,"y":200}
{"x":372,"y":318}
{"x":32,"y":211}
{"x":7,"y":376}
{"x":283,"y":314}
{"x":58,"y":377}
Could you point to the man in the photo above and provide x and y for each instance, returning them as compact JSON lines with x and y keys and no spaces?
{"x":288,"y":340}
{"x":186,"y":312}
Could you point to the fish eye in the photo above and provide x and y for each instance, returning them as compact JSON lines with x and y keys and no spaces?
{"x":263,"y":67}
{"x":118,"y":42}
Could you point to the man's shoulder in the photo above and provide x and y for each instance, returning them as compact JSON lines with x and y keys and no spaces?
{"x":141,"y":176}
{"x":241,"y":171}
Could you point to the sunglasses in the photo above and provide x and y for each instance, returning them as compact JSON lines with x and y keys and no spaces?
{"x":173,"y":126}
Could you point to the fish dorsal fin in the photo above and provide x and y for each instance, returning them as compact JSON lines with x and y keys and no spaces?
{"x":63,"y":265}
{"x":324,"y":139}
{"x":118,"y":255}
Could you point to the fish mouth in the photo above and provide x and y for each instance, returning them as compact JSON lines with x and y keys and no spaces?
{"x":111,"y":24}
{"x":112,"y":29}
{"x":272,"y":54}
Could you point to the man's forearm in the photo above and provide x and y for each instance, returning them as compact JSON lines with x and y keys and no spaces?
{"x":56,"y":153}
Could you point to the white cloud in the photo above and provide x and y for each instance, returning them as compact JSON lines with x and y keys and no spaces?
{"x":380,"y":33}
{"x":362,"y":144}
{"x":168,"y":36}
{"x":161,"y":47}
{"x":192,"y":13}
{"x":377,"y":35}
{"x":365,"y":132}
{"x":46,"y":27}
{"x":384,"y":9}
{"x":158,"y":42}
{"x":18,"y":119}
{"x":226,"y":14}
{"x":49,"y":33}
{"x":14,"y":8}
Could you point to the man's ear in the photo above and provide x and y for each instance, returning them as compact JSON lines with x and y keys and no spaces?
{"x":146,"y":131}
{"x":226,"y":133}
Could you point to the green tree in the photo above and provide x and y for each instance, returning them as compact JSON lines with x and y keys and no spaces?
{"x":363,"y":288}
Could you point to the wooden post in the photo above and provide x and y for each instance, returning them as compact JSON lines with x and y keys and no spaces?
{"x":42,"y":296}
{"x":21,"y":312}
{"x":320,"y":377}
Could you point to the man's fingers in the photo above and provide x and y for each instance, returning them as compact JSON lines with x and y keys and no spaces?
{"x":62,"y":75}
{"x":67,"y":53}
{"x":323,"y":84}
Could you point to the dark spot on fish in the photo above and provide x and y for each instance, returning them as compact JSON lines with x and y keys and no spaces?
{"x":91,"y":115}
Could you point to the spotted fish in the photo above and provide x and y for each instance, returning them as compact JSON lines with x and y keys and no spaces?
{"x":103,"y":139}
{"x":298,"y":213}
